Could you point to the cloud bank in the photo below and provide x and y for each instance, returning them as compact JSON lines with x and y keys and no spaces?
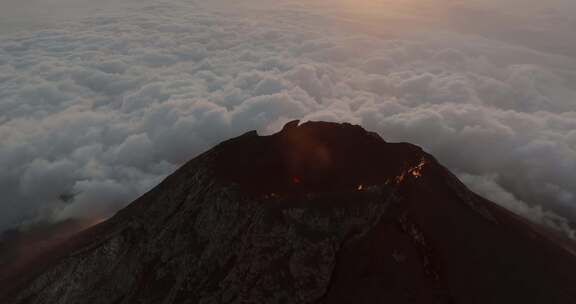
{"x":95,"y":112}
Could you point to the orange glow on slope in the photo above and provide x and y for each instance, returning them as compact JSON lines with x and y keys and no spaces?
{"x":416,"y":171}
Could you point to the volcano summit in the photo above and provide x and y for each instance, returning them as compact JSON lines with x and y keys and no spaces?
{"x":317,"y":213}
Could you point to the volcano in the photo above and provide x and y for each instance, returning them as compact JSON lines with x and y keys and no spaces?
{"x":316,"y":213}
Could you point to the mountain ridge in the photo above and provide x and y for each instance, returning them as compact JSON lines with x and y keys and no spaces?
{"x":316,"y":213}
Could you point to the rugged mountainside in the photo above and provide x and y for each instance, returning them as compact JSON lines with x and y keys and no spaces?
{"x":317,"y":213}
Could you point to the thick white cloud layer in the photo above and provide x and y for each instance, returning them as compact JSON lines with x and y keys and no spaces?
{"x":95,"y":112}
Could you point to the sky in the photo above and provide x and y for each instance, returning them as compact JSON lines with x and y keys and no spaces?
{"x":100,"y":100}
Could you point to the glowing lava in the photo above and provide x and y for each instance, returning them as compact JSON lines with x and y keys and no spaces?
{"x":416,"y":171}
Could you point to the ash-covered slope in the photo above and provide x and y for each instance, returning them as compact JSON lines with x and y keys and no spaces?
{"x":317,"y":213}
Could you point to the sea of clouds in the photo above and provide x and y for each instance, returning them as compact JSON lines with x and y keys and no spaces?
{"x":96,"y":111}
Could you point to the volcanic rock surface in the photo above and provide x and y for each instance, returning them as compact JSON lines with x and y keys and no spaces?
{"x":317,"y":213}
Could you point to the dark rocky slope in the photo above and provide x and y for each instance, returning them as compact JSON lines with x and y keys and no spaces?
{"x":318,"y":213}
